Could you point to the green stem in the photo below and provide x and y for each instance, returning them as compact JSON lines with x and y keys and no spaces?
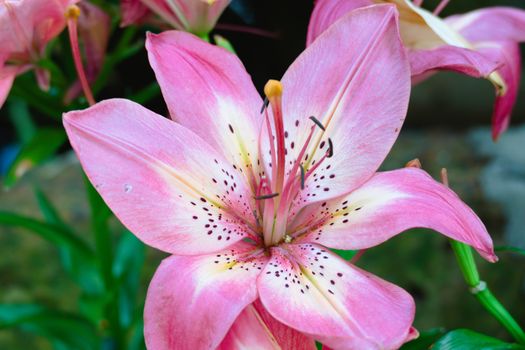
{"x":482,"y":293}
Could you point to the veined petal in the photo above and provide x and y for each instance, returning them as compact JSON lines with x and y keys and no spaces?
{"x":256,"y":329}
{"x":170,"y":188}
{"x":359,"y":92}
{"x":208,"y":90}
{"x":392,"y":202}
{"x":193,"y":301}
{"x":490,"y":24}
{"x":133,"y":12}
{"x":508,"y":53}
{"x":449,"y":57}
{"x":327,"y":12}
{"x":314,"y":291}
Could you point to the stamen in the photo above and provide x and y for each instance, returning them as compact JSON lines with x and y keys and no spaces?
{"x":273,"y":91}
{"x":72,"y":14}
{"x":440,"y":7}
{"x":302,"y":176}
{"x":266,"y":196}
{"x":330,"y":151}
{"x":265,"y":104}
{"x":317,"y":122}
{"x":414,"y":163}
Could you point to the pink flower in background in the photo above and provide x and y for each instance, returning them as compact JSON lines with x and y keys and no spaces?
{"x":249,"y":203}
{"x":26,"y":26}
{"x":482,"y":43}
{"x":195,"y":16}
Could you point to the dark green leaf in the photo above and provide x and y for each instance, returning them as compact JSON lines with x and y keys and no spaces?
{"x":464,"y":339}
{"x":128,"y":263}
{"x":42,"y":145}
{"x":100,"y":215}
{"x":64,"y":330}
{"x":510,"y":249}
{"x":425,"y":340}
{"x":81,"y":269}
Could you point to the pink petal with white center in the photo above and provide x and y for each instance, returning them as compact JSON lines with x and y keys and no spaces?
{"x":208,"y":91}
{"x":448,"y":57}
{"x":256,"y":329}
{"x":350,"y":93}
{"x":169,"y":187}
{"x":193,"y":301}
{"x":316,"y":292}
{"x":327,"y":12}
{"x":392,"y":202}
{"x":490,"y":24}
{"x":508,"y":53}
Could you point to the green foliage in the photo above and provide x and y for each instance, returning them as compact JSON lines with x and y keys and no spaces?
{"x":64,"y":330}
{"x":464,"y":339}
{"x":43,"y":144}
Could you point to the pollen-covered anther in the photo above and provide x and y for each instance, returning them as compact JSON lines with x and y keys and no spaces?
{"x":287,"y":239}
{"x":273,"y":88}
{"x":72,"y":12}
{"x":414,"y":163}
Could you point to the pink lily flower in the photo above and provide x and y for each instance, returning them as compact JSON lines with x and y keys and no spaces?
{"x":194,"y":16}
{"x":481,"y":43}
{"x":26,"y":26}
{"x":249,"y":203}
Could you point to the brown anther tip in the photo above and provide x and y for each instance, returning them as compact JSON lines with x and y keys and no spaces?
{"x":273,"y":88}
{"x":414,"y":163}
{"x":72,"y":12}
{"x":266,"y":196}
{"x":444,"y":176}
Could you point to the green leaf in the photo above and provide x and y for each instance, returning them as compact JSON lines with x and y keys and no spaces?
{"x":129,"y":259}
{"x":464,"y":339}
{"x":100,"y":215}
{"x":83,"y":271}
{"x":510,"y":249}
{"x":42,"y":145}
{"x":64,"y":330}
{"x":425,"y":340}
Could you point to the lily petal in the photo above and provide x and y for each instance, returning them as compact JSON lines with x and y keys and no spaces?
{"x":490,"y":24}
{"x":448,"y":57}
{"x":256,"y":329}
{"x":133,"y":12}
{"x":327,"y":12}
{"x":314,"y":291}
{"x":168,"y":186}
{"x":349,"y":92}
{"x":508,"y":53}
{"x":208,"y":91}
{"x":394,"y":201}
{"x":193,"y":301}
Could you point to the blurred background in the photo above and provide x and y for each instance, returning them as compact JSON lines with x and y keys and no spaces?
{"x":448,"y":125}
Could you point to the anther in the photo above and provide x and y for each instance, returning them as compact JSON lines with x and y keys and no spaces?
{"x":414,"y":163}
{"x":302,"y":176}
{"x":265,"y":104}
{"x":266,"y":196}
{"x":330,"y":151}
{"x":273,"y":88}
{"x":72,"y":12}
{"x":317,"y":122}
